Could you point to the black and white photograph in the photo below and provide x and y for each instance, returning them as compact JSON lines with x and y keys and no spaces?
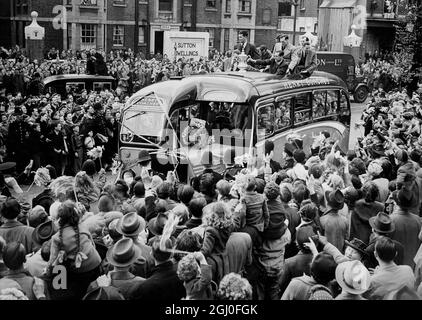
{"x":217,"y":150}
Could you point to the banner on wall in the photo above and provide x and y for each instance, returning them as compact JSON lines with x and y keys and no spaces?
{"x":187,"y":45}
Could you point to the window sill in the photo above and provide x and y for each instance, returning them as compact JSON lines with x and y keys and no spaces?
{"x":244,"y":14}
{"x":188,"y":4}
{"x":143,"y":44}
{"x":227,"y":15}
{"x":211,"y":9}
{"x":121,"y":5}
{"x":143,"y":2}
{"x":89,"y":7}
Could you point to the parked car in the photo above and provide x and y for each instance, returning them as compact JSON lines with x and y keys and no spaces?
{"x":75,"y":83}
{"x":343,"y":65}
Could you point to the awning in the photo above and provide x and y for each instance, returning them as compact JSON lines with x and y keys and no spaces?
{"x":338,"y":4}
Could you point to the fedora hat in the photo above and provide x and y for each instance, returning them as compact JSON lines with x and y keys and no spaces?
{"x":405,"y":199}
{"x":358,"y":245}
{"x":353,"y":277}
{"x":44,"y":232}
{"x":104,"y":293}
{"x":5,"y":166}
{"x":382,"y":223}
{"x":156,"y":225}
{"x":282,"y":35}
{"x":37,"y":215}
{"x":335,"y":199}
{"x":130,"y":225}
{"x":144,"y":156}
{"x":123,"y":253}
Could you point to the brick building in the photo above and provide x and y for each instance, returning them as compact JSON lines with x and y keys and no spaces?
{"x":381,"y":16}
{"x":140,"y":24}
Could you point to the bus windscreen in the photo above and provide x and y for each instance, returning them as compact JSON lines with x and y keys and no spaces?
{"x":144,"y":121}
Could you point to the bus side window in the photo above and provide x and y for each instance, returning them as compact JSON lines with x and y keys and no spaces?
{"x":302,"y":108}
{"x":265,"y":121}
{"x":318,"y":104}
{"x":283,"y":114}
{"x":332,"y":102}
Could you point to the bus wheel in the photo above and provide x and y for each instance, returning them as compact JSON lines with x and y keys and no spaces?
{"x":361,"y":94}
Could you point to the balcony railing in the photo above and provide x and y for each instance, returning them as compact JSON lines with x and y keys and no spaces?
{"x":378,"y":9}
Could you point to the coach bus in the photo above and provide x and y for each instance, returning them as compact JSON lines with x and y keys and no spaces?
{"x":177,"y":120}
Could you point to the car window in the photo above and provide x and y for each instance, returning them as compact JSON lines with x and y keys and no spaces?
{"x":283,"y":110}
{"x":266,"y":115}
{"x":332,"y":102}
{"x":302,"y":108}
{"x":318,"y":103}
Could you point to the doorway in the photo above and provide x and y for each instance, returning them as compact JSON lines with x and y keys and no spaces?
{"x":159,"y":42}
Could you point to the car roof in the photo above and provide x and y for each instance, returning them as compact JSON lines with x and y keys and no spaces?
{"x":77,"y":77}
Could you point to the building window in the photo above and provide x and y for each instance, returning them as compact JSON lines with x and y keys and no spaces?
{"x":118,"y":36}
{"x":226,"y":39}
{"x":211,"y":33}
{"x":88,"y":2}
{"x":228,"y":6}
{"x":266,"y":16}
{"x":302,"y":5}
{"x":22,"y":7}
{"x":88,"y":36}
{"x":284,"y":9}
{"x":141,"y":38}
{"x":69,"y":35}
{"x":245,"y":6}
{"x":316,"y":28}
{"x":302,"y":29}
{"x":211,"y":3}
{"x":188,"y":2}
{"x":165,"y":5}
{"x":119,"y":2}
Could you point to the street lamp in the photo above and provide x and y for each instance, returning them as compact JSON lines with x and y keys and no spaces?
{"x":295,"y":3}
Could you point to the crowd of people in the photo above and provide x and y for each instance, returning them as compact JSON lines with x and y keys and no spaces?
{"x":313,"y":224}
{"x":387,"y":71}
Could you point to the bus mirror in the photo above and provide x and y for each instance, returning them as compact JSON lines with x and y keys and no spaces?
{"x":127,"y":137}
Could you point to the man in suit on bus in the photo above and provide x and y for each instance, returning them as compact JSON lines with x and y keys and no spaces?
{"x":275,"y":64}
{"x":304,"y":60}
{"x":249,"y":48}
{"x":286,"y":47}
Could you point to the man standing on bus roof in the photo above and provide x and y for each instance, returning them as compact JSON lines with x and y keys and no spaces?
{"x":304,"y":60}
{"x":286,"y":47}
{"x":248,"y":48}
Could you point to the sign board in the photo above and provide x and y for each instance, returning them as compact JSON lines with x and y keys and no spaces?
{"x":188,"y":45}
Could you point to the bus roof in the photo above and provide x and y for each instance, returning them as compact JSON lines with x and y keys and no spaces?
{"x":77,"y":77}
{"x":333,"y":52}
{"x":234,"y":86}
